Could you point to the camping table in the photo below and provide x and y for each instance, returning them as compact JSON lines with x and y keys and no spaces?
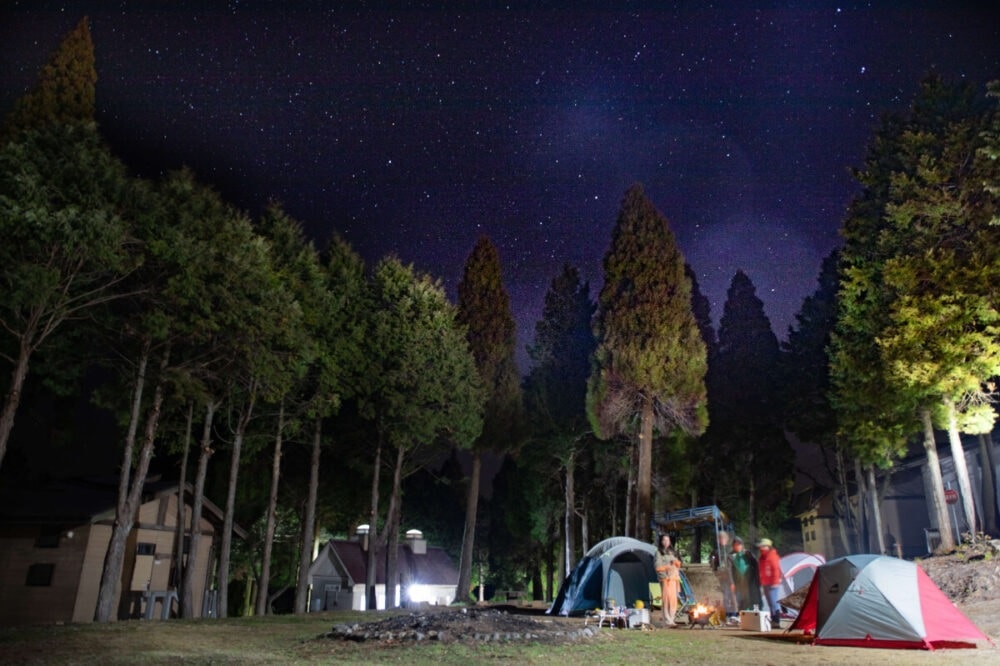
{"x":614,"y":618}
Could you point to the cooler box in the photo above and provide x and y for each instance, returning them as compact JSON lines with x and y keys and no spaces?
{"x":755,"y":620}
{"x":637,"y":617}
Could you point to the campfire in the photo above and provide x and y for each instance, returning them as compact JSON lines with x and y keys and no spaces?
{"x":703,"y":616}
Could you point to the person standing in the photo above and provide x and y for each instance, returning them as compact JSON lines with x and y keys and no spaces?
{"x":720,"y":565}
{"x":668,"y":572}
{"x":746,"y":577}
{"x":770,"y":578}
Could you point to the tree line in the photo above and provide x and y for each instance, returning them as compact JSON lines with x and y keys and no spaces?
{"x":215,"y":332}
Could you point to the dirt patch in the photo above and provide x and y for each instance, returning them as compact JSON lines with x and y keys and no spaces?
{"x":478,"y":625}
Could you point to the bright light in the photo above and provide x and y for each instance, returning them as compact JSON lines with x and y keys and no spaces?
{"x":419,"y":593}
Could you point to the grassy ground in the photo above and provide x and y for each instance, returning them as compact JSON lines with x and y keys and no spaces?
{"x":299,"y":640}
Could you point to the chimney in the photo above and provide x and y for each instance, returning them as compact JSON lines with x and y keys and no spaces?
{"x":415,"y":540}
{"x":362,"y":534}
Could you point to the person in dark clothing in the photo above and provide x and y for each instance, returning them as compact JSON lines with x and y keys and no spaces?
{"x":746,"y":578}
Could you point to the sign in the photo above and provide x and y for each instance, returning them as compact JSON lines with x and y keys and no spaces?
{"x":951,"y":496}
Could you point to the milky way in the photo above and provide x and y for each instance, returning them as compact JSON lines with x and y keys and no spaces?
{"x":414,"y":129}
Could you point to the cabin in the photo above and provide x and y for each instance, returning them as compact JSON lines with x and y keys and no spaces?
{"x":337,"y":575}
{"x":54,"y":537}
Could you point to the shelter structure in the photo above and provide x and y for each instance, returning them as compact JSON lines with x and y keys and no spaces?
{"x":884,"y":602}
{"x":692,"y":522}
{"x":619,"y":569}
{"x":337,"y":575}
{"x":689,"y":529}
{"x":54,"y":537}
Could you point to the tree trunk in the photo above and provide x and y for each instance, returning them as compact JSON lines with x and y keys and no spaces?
{"x":13,"y":398}
{"x":550,"y":567}
{"x":845,"y":523}
{"x":272,"y":506}
{"x":876,"y":510}
{"x":989,"y":485}
{"x":584,"y":528}
{"x":570,"y":546}
{"x":961,"y":468}
{"x":863,"y":537}
{"x":187,"y":589}
{"x":644,"y":482}
{"x":537,"y":586}
{"x":225,"y":550}
{"x":752,"y":502}
{"x":630,"y":492}
{"x":370,"y":579}
{"x":181,"y":505}
{"x":392,"y":533}
{"x":469,"y":535}
{"x":938,"y":503}
{"x":115,"y":555}
{"x":309,"y":522}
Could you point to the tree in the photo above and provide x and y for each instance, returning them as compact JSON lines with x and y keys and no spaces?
{"x":556,"y":388}
{"x":65,"y":92}
{"x":943,"y":335}
{"x":752,"y":458}
{"x":904,"y":283}
{"x":806,"y":388}
{"x":337,"y":322}
{"x":422,"y":391}
{"x":650,"y":363}
{"x":484,"y":311}
{"x":66,"y":243}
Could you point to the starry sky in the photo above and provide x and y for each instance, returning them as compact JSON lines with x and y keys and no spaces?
{"x":412,"y":129}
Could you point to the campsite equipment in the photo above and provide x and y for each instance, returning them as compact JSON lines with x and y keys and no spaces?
{"x":881,"y":601}
{"x":797,"y":570}
{"x":755,"y":620}
{"x":619,"y":568}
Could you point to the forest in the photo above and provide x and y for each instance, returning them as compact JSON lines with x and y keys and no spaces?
{"x":307,"y":393}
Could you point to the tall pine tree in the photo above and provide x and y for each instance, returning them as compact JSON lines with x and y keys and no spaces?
{"x":484,"y":310}
{"x":65,"y":91}
{"x":752,"y":460}
{"x":649,"y":367}
{"x":556,"y":388}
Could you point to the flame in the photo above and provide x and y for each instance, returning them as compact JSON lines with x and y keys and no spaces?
{"x":699,"y":610}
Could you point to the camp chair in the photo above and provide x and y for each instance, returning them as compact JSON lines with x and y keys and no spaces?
{"x":655,"y":596}
{"x":685,"y":595}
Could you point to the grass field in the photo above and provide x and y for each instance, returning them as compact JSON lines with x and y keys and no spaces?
{"x":300,"y":640}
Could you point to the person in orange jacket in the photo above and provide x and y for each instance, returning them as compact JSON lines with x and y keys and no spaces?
{"x":668,"y":572}
{"x":769,"y":566}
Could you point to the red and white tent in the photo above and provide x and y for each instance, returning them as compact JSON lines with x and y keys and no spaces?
{"x":879,"y":601}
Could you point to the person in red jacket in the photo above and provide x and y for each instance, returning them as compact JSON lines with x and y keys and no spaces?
{"x":769,"y":566}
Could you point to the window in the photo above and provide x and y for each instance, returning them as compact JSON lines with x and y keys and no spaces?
{"x":145,"y":549}
{"x":40,"y":575}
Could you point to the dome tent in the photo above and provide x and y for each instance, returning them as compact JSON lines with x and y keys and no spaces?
{"x":884,"y":602}
{"x":619,"y":568}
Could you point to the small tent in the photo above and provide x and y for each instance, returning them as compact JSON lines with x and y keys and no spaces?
{"x":885,"y":602}
{"x":619,"y":568}
{"x":797,"y":570}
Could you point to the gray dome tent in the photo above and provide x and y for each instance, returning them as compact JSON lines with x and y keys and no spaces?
{"x":619,"y":568}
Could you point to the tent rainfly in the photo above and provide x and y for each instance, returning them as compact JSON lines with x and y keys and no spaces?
{"x":883,"y":602}
{"x":619,"y":568}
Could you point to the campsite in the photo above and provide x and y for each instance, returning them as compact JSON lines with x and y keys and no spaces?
{"x":969,"y":583}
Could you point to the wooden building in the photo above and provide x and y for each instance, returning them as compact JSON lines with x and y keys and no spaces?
{"x":53,"y":540}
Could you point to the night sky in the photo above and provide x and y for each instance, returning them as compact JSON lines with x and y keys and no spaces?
{"x":411,"y":129}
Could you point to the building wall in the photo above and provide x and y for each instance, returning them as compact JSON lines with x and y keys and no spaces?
{"x":78,"y":561}
{"x":90,"y":571}
{"x":52,"y":602}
